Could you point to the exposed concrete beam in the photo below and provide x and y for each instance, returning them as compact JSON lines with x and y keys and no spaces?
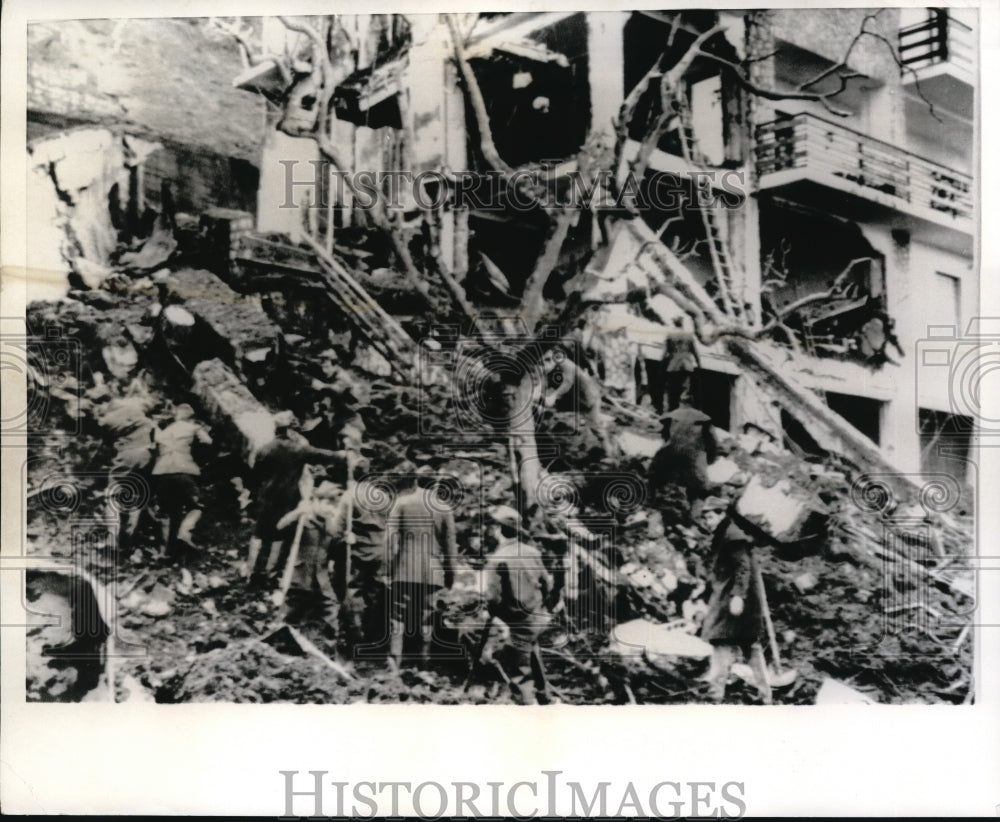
{"x":511,"y":29}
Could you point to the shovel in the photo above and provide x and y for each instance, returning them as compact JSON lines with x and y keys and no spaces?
{"x":284,"y":637}
{"x":777,"y":678}
{"x":278,"y":598}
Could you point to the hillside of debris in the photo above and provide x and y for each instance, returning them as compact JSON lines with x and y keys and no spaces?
{"x":164,"y":78}
{"x":874,"y":605}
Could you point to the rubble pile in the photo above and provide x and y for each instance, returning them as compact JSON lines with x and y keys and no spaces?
{"x":848,"y":603}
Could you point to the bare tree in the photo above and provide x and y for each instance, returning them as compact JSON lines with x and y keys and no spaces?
{"x":601,"y":157}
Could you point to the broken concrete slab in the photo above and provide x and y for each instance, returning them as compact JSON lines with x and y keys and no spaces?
{"x":723,"y":470}
{"x":833,"y":692}
{"x":662,"y":639}
{"x":638,"y":445}
{"x":242,"y":332}
{"x":781,"y":510}
{"x":805,"y":582}
{"x":232,"y":407}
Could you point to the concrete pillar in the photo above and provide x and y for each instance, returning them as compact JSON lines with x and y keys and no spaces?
{"x":898,"y":426}
{"x":606,"y":68}
{"x":285,"y":160}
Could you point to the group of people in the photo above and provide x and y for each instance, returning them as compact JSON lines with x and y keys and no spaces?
{"x":347,"y":565}
{"x":378,"y":577}
{"x":154,"y":461}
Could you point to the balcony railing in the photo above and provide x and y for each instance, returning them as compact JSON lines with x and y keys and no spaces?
{"x":826,"y":149}
{"x":939,"y":39}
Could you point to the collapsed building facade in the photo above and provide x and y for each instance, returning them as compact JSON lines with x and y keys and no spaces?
{"x":740,"y":175}
{"x":839,"y":171}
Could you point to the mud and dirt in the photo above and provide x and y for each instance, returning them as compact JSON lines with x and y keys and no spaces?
{"x":191,"y":630}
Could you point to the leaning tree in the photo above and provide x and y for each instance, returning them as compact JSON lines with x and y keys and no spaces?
{"x":603,"y":165}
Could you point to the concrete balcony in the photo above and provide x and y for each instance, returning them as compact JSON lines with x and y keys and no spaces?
{"x":831,"y":167}
{"x":939,"y":53}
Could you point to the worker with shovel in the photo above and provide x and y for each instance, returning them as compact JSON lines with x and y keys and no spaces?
{"x":735,"y":620}
{"x":319,"y":519}
{"x":277,"y":472}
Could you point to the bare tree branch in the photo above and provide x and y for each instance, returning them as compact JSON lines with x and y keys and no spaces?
{"x":475,"y":97}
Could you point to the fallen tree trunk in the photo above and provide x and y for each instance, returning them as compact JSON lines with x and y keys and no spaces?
{"x":828,"y":427}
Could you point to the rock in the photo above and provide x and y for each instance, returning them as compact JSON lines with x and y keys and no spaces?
{"x":92,"y":273}
{"x":661,"y":639}
{"x":668,"y":579}
{"x":693,"y":609}
{"x":131,"y":690}
{"x":637,"y":445}
{"x":722,"y":471}
{"x":97,"y":297}
{"x":781,"y":509}
{"x":157,"y":608}
{"x":158,"y":603}
{"x":833,"y":692}
{"x":805,"y":582}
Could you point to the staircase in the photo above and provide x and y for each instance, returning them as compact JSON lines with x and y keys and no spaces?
{"x":267,"y":259}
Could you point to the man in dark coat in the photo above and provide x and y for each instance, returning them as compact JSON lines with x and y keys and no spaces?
{"x":684,"y":459}
{"x":680,"y":361}
{"x":735,"y":618}
{"x":520,"y":591}
{"x":421,"y":545}
{"x":311,"y":585}
{"x":277,"y":471}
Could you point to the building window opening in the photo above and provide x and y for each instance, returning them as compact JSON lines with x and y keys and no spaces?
{"x":863,"y":413}
{"x":823,"y":287}
{"x":945,"y":443}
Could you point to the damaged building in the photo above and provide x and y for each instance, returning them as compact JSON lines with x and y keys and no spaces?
{"x":845,"y":222}
{"x":499,"y":255}
{"x":112,"y":151}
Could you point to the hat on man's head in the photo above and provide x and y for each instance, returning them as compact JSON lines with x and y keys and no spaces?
{"x":284,"y":419}
{"x":504,"y":515}
{"x":715,"y":504}
{"x":184,"y":408}
{"x":327,"y":490}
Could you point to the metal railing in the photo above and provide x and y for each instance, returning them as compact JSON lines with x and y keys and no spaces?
{"x":807,"y":141}
{"x":938,"y":39}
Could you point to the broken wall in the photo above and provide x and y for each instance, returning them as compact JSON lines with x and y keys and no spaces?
{"x":71,"y":182}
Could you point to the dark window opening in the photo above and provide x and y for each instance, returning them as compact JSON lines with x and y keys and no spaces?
{"x":827,"y":284}
{"x":712,"y":394}
{"x":863,"y":413}
{"x":798,"y":440}
{"x":647,"y":37}
{"x":538,"y":94}
{"x":945,"y":442}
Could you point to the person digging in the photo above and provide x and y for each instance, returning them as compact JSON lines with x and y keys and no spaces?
{"x":311,"y":587}
{"x":735,"y":620}
{"x":520,"y":592}
{"x":277,"y":472}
